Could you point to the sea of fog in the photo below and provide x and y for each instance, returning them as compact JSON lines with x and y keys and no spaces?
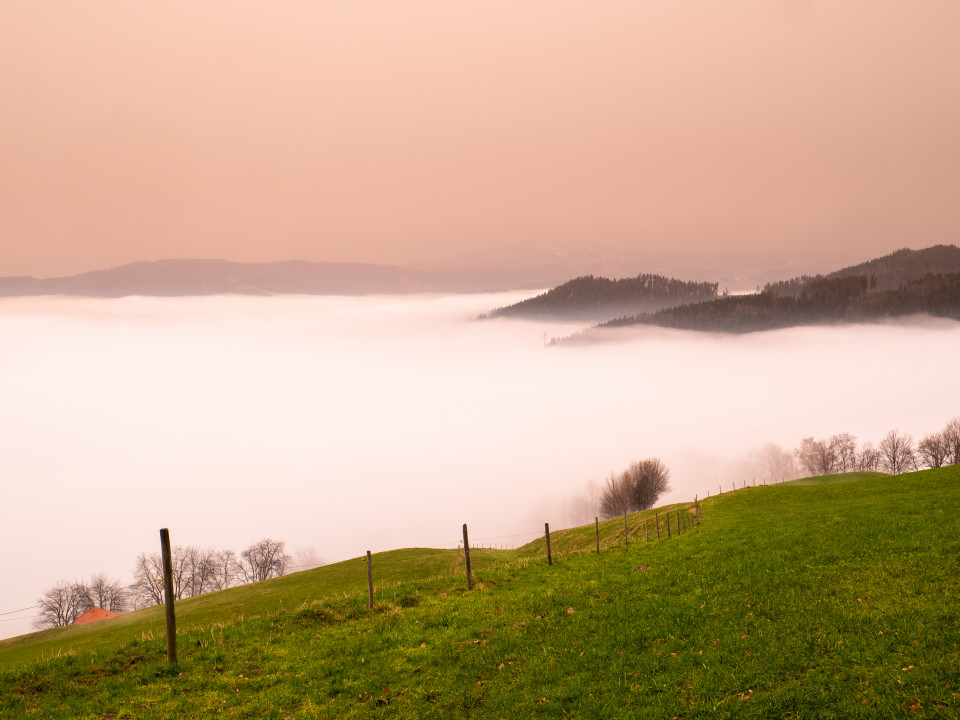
{"x":345,"y":424}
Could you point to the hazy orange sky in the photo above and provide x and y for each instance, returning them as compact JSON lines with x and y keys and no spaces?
{"x":455,"y":133}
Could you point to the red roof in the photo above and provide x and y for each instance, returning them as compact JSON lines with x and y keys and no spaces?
{"x":94,"y":614}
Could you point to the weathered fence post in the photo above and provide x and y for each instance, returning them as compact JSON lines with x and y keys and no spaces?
{"x":668,"y":525}
{"x":626,"y":539}
{"x":596,"y":524}
{"x":369,"y":581}
{"x":168,"y":595}
{"x":466,"y":556}
{"x":546,"y":530}
{"x":657,"y":517}
{"x":646,"y":529}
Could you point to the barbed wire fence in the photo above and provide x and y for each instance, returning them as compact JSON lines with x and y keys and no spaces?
{"x":510,"y":541}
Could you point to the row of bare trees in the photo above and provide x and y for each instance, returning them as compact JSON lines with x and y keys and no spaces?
{"x":66,"y":601}
{"x":195,"y":571}
{"x":896,"y":453}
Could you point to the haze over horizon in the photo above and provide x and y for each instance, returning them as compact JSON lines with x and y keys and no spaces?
{"x":341,"y":424}
{"x":445,"y":135}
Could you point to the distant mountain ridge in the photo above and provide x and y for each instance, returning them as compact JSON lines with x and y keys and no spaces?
{"x":598,"y":298}
{"x":172,"y":278}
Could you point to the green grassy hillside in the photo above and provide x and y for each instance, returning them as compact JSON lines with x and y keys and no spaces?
{"x":839,"y":478}
{"x":829,"y":600}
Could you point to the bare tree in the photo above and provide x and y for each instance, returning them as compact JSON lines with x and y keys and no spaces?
{"x":815,"y":457}
{"x":592,"y":493}
{"x":305,"y":559}
{"x":843,"y":452}
{"x":615,"y":496}
{"x":777,"y":463}
{"x":147,"y":586}
{"x":148,"y":577}
{"x":262,"y":560}
{"x":868,"y":459}
{"x":225,"y":569}
{"x":951,"y":438}
{"x":105,"y":593}
{"x":583,"y":507}
{"x":647,"y":480}
{"x":897,"y":454}
{"x":933,"y":450}
{"x":199,"y":570}
{"x":61,"y":604}
{"x":636,"y":488}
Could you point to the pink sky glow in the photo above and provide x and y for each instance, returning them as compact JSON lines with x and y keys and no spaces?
{"x":457,"y":133}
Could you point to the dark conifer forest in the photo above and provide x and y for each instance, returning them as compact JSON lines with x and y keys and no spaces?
{"x":907,"y":282}
{"x":595,"y":299}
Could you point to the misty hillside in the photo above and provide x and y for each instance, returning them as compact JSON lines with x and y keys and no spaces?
{"x":884,"y":273}
{"x":599,"y":298}
{"x":897,"y":285}
{"x":171,"y":278}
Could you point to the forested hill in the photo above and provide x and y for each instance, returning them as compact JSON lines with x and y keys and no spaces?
{"x":821,"y":301}
{"x":885,"y":273}
{"x":599,"y":298}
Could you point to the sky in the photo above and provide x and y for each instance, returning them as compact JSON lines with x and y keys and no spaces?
{"x":438,"y":134}
{"x":345,"y":424}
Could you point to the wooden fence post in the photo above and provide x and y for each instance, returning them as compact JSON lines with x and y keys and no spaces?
{"x":596,"y":523}
{"x":168,"y":595}
{"x":626,"y":539}
{"x":369,"y":581}
{"x":646,"y":529}
{"x":546,"y":530}
{"x":657,"y":517}
{"x":466,"y":555}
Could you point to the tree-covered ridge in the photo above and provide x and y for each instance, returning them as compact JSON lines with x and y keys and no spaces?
{"x":885,"y":273}
{"x":600,"y":298}
{"x":820,"y":301}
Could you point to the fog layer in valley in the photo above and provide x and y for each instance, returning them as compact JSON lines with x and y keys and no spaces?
{"x":345,"y":424}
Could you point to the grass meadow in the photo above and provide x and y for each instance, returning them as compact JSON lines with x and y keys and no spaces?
{"x":824,"y":598}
